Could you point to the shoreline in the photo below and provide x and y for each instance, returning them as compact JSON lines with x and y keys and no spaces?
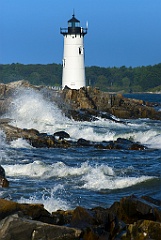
{"x":130,"y":218}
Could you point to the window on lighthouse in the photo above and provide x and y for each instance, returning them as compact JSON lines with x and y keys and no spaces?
{"x":80,"y":50}
{"x":73,"y":24}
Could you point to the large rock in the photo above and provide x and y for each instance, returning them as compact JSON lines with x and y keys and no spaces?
{"x":92,"y":98}
{"x":131,"y":209}
{"x":131,"y":218}
{"x":34,"y":211}
{"x":18,"y":228}
{"x":143,"y":229}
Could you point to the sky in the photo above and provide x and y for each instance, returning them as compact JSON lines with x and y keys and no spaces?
{"x":120,"y":32}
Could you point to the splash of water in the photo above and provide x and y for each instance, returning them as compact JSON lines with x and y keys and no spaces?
{"x":30,"y":110}
{"x":48,"y":199}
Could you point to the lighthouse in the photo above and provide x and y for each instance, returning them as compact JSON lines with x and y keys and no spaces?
{"x":73,"y":75}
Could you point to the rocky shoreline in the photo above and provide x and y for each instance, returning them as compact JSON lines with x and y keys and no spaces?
{"x":130,"y":218}
{"x":85,"y":104}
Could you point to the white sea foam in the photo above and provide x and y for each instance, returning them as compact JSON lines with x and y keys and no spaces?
{"x":3,"y":146}
{"x":88,"y":133}
{"x":30,"y":110}
{"x":150,"y":138}
{"x":20,"y":143}
{"x":48,"y":199}
{"x":2,"y":139}
{"x":98,"y":182}
{"x":38,"y":169}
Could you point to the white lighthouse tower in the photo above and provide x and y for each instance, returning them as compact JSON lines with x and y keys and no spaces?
{"x":73,"y":75}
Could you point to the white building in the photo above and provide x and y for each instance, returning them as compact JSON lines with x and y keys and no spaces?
{"x":73,"y":75}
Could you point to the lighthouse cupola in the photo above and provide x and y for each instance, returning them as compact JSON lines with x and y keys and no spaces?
{"x":73,"y":75}
{"x":74,"y":26}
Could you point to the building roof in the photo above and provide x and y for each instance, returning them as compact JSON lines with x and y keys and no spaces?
{"x":73,"y":19}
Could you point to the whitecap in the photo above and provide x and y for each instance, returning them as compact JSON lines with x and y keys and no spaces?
{"x":102,"y":182}
{"x":49,"y":199}
{"x":20,"y":143}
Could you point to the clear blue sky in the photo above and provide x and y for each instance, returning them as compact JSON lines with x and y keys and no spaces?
{"x":121,"y":32}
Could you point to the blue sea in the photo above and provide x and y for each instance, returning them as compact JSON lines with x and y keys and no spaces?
{"x":83,"y":176}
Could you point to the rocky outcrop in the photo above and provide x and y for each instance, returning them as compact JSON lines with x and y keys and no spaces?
{"x":98,"y":102}
{"x":85,"y":104}
{"x":130,"y":218}
{"x":62,"y":139}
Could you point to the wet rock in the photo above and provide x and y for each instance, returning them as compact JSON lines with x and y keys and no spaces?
{"x":34,"y":211}
{"x":61,"y":217}
{"x":115,"y":104}
{"x":3,"y":181}
{"x":120,"y":144}
{"x":34,"y":137}
{"x":2,"y":171}
{"x":131,"y":209}
{"x":83,"y":142}
{"x":42,"y":140}
{"x":16,"y":227}
{"x":152,"y":200}
{"x":143,"y":229}
{"x":61,"y":134}
{"x":96,"y":233}
{"x":85,"y":104}
{"x":130,"y":218}
{"x":82,"y":218}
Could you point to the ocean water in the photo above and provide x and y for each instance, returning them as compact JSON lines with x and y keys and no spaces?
{"x":84,"y":176}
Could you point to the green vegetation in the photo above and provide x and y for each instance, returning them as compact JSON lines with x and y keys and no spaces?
{"x":138,"y":79}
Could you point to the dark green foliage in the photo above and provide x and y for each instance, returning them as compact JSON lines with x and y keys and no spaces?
{"x":138,"y":79}
{"x":36,"y":74}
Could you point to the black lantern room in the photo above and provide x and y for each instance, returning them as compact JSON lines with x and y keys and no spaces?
{"x":73,"y":27}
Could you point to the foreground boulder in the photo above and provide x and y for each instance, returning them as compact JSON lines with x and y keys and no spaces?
{"x":130,"y":218}
{"x":16,"y":227}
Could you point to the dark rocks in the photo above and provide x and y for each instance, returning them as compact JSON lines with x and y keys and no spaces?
{"x":42,"y":140}
{"x":84,"y":143}
{"x":2,"y":171}
{"x":130,"y":209}
{"x":131,"y":218}
{"x":144,"y":229}
{"x":93,"y":99}
{"x":82,"y":218}
{"x":120,"y":144}
{"x":34,"y":137}
{"x":3,"y":181}
{"x":16,"y":227}
{"x":62,"y":134}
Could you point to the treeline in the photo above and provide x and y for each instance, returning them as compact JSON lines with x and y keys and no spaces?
{"x":138,"y":79}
